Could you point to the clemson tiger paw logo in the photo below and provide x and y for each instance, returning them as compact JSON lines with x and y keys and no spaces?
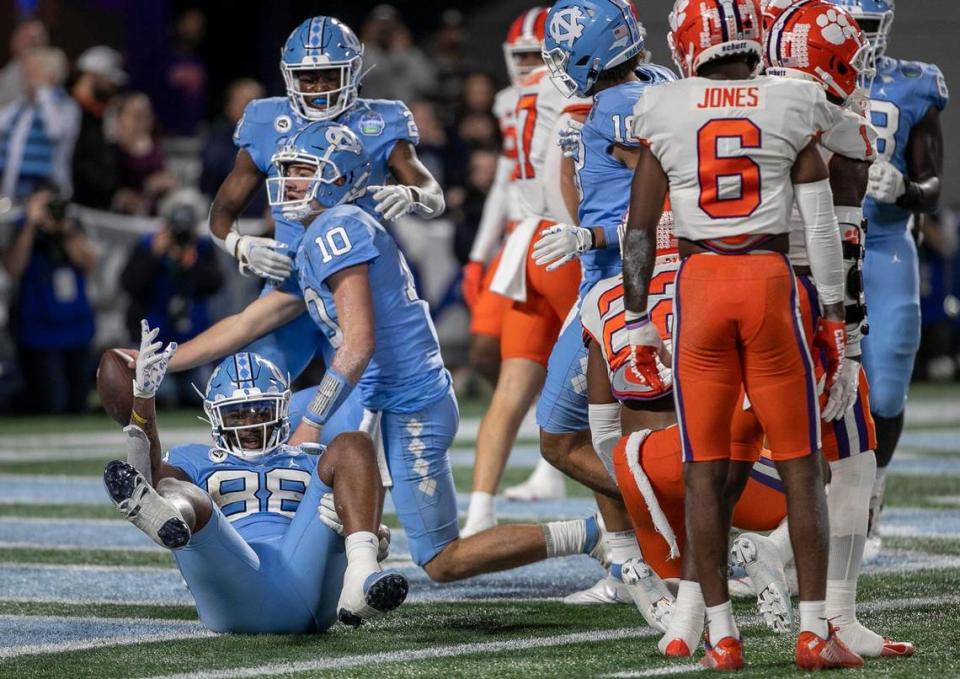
{"x":835,"y":27}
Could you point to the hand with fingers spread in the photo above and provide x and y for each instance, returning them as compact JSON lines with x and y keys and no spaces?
{"x":263,"y":257}
{"x":152,"y":362}
{"x":560,"y":243}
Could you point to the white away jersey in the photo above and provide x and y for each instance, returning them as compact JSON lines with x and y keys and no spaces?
{"x":728,"y":146}
{"x":854,"y":137}
{"x":540,"y":109}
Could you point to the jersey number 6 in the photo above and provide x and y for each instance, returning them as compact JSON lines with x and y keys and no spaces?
{"x":729,"y":184}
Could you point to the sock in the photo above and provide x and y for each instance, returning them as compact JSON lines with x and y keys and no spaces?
{"x":622,"y":546}
{"x":813,"y":618}
{"x":720,"y":622}
{"x":481,"y":506}
{"x":564,"y":538}
{"x":848,"y":504}
{"x":686,"y":621}
{"x":362,"y":549}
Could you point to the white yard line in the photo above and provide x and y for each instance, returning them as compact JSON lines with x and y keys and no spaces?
{"x":452,"y":651}
{"x":504,"y":646}
{"x":660,"y":671}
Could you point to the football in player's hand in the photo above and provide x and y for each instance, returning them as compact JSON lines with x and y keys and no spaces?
{"x":115,"y":385}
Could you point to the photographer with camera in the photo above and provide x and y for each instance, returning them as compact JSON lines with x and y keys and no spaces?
{"x":170,"y":275}
{"x":53,"y":321}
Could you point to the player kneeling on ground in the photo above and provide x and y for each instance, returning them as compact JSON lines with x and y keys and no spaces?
{"x":256,"y":524}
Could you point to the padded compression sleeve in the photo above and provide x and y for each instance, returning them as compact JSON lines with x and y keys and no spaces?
{"x":822,"y":235}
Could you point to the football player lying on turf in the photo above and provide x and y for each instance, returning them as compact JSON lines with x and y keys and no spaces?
{"x":358,"y":290}
{"x":268,"y":537}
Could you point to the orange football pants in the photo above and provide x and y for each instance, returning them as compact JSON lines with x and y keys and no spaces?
{"x":762,"y":506}
{"x":738,"y":327}
{"x":531,"y":328}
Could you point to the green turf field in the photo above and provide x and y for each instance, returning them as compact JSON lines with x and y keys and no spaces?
{"x":80,"y":596}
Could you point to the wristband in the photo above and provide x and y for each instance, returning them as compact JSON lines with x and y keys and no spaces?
{"x":230,"y":243}
{"x":333,"y":391}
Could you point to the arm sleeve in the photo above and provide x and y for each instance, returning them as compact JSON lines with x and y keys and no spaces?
{"x":245,"y":134}
{"x":822,"y":235}
{"x":937,"y":93}
{"x":494,"y":216}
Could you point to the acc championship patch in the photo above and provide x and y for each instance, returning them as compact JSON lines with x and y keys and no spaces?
{"x":372,"y":124}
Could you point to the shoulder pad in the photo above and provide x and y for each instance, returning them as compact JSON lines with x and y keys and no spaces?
{"x":265,"y":110}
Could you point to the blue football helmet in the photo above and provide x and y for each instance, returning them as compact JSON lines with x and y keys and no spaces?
{"x":246,"y":401}
{"x":338,"y":166}
{"x":875,"y":18}
{"x":322,"y":43}
{"x":586,"y":37}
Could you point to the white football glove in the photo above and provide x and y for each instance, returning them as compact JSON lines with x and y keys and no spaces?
{"x":560,"y":243}
{"x":886,"y":182}
{"x":569,"y":139}
{"x":151,"y":362}
{"x":843,"y":392}
{"x":261,"y":256}
{"x":397,"y":200}
{"x":327,"y":512}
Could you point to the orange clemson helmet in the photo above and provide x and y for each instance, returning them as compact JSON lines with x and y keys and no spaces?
{"x":524,"y":37}
{"x":704,"y":30}
{"x":818,"y":41}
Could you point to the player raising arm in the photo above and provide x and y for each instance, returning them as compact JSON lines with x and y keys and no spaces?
{"x":735,"y":151}
{"x":256,"y":524}
{"x":358,"y":289}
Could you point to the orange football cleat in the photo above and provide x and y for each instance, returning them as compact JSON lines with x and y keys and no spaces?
{"x":817,"y":653}
{"x":725,"y":656}
{"x":896,"y":649}
{"x":677,"y":648}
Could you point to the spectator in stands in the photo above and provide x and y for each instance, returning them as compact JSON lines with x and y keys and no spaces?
{"x":182,"y":99}
{"x":481,"y":171}
{"x":432,"y":149}
{"x":27,"y":36}
{"x":401,"y":70}
{"x":219,"y":152}
{"x":99,"y":78}
{"x":939,"y":252}
{"x":446,"y":53}
{"x":38,"y":129}
{"x":141,"y":165}
{"x":48,"y":260}
{"x":169,"y":277}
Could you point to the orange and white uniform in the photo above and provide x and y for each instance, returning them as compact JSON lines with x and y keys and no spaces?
{"x":728,"y":148}
{"x":500,"y":215}
{"x":541,"y":299}
{"x":649,"y":465}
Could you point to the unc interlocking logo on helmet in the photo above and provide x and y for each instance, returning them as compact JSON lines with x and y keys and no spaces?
{"x":342,"y":139}
{"x":565,"y":27}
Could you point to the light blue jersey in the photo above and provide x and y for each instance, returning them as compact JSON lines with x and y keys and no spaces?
{"x":267,"y":124}
{"x":604,"y":181}
{"x":902,"y":94}
{"x":406,"y":372}
{"x":604,"y":184}
{"x":264,"y":562}
{"x":260,"y":496}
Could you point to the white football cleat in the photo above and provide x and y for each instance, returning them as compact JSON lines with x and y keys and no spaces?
{"x":650,"y":594}
{"x":607,"y":590}
{"x":142,"y":506}
{"x":760,"y":558}
{"x":545,"y":483}
{"x":366,"y":595}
